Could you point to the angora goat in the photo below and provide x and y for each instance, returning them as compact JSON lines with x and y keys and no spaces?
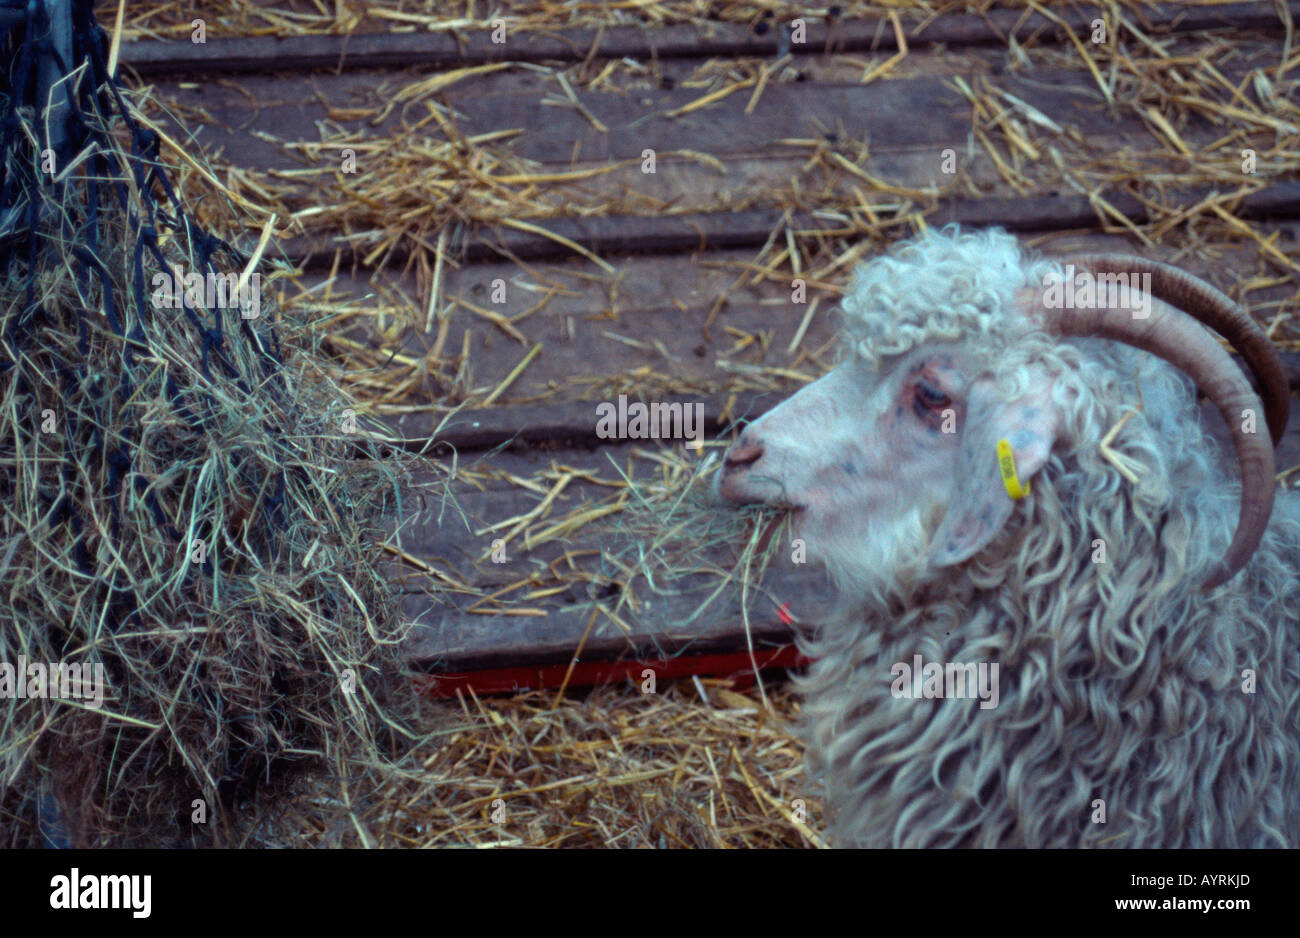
{"x":1003,"y":473}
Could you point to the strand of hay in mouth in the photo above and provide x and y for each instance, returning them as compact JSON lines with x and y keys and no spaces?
{"x":180,"y":511}
{"x":675,"y":535}
{"x":680,"y":524}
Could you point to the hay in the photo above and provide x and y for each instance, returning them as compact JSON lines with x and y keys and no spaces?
{"x":676,"y":534}
{"x":251,"y":18}
{"x":696,"y":764}
{"x":674,"y":528}
{"x":179,"y":506}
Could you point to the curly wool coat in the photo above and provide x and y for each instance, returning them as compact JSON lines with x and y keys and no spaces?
{"x":1132,"y":710}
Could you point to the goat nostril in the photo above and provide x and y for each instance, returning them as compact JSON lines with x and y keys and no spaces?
{"x":743,"y":453}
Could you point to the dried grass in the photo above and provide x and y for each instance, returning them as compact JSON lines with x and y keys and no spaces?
{"x":179,"y":504}
{"x":696,"y":764}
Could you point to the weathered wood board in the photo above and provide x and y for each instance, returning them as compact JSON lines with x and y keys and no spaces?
{"x":394,"y":50}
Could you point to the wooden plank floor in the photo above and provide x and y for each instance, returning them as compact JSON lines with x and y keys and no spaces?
{"x":688,"y":306}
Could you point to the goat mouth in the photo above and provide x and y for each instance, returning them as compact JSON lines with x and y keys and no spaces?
{"x":741,"y":490}
{"x":793,"y":509}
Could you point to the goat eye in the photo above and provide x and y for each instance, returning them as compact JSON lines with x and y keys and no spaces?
{"x":931,"y":396}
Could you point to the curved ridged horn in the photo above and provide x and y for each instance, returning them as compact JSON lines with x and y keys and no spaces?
{"x":1209,"y":305}
{"x":1178,"y":338}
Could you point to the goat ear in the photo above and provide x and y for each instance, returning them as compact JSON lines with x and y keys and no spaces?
{"x":980,"y":503}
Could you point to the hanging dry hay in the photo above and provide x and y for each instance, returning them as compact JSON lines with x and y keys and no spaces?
{"x":180,"y":506}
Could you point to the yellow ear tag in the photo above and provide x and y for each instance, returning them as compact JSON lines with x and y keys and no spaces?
{"x":1007,"y":464}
